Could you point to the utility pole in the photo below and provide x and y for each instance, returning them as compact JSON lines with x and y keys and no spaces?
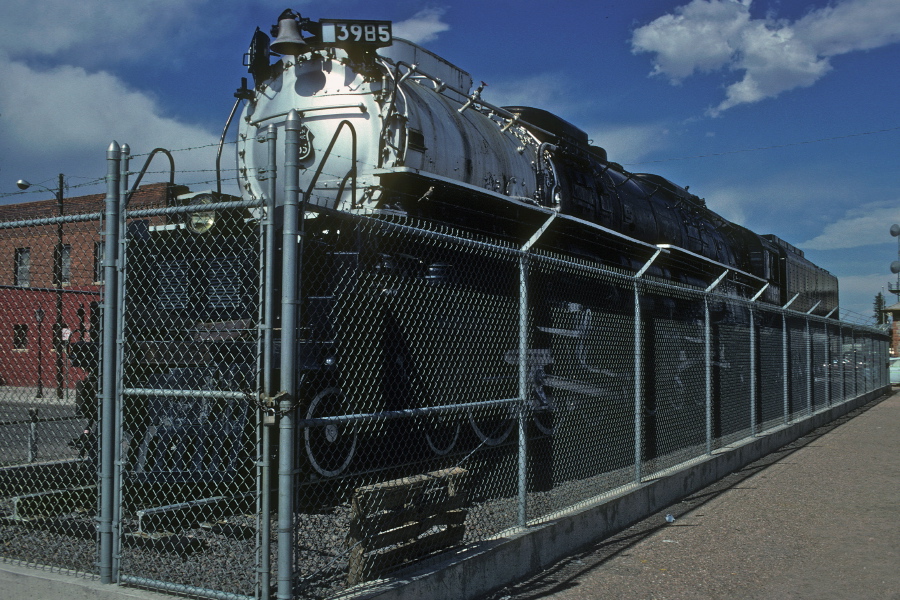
{"x":58,"y":282}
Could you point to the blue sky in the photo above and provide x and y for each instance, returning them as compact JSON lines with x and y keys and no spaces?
{"x":781,"y":113}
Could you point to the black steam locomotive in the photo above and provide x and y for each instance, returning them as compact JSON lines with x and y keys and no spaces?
{"x":390,"y":136}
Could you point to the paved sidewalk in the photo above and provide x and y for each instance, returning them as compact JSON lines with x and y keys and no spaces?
{"x":25,"y":583}
{"x":818,"y":519}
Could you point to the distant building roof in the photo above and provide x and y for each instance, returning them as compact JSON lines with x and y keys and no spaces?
{"x":153,"y":194}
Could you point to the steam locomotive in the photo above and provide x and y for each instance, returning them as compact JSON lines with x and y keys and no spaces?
{"x":419,"y":127}
{"x":392,"y":131}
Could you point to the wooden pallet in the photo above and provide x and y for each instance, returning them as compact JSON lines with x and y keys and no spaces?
{"x":395,"y":523}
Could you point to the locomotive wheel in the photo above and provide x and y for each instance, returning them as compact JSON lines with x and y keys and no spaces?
{"x":543,"y":404}
{"x":494,"y":429}
{"x":441,"y":433}
{"x":329,"y":448}
{"x":545,"y":419}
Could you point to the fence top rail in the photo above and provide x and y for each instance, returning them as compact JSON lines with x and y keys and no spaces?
{"x":78,"y":218}
{"x":191,"y":208}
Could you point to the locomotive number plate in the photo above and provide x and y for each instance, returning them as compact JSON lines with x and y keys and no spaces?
{"x":355,"y":33}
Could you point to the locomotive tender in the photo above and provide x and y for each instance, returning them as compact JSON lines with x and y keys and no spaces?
{"x":388,"y":128}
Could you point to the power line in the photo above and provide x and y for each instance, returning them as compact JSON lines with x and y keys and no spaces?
{"x":774,"y":147}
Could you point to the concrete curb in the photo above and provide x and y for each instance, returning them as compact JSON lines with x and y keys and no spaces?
{"x":490,"y":565}
{"x":29,"y":583}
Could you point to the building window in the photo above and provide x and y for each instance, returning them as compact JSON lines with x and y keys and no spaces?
{"x":99,"y":256}
{"x":65,"y":263}
{"x":20,"y":337}
{"x":22,"y":272}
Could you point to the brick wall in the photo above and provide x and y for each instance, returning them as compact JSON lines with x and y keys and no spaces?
{"x":23,"y":291}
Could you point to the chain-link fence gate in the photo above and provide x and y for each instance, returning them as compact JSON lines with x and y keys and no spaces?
{"x":220,"y":410}
{"x":190,"y":436}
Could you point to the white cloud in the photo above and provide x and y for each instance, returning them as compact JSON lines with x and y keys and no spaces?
{"x":90,"y":30}
{"x":64,"y":118}
{"x":546,"y":90}
{"x":549,"y":91}
{"x":728,"y":202}
{"x":700,"y":36}
{"x":862,"y":226}
{"x":851,"y":25}
{"x":61,"y":105}
{"x":773,"y":55}
{"x":628,"y":143}
{"x":423,"y":27}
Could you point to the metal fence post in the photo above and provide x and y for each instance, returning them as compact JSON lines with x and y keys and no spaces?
{"x":32,"y":434}
{"x":523,"y":384}
{"x":268,"y":278}
{"x":289,"y":319}
{"x":269,"y":265}
{"x":827,"y":366}
{"x":785,"y":368}
{"x":753,"y":372}
{"x":841,"y":361}
{"x":707,"y":361}
{"x":108,"y":367}
{"x":523,"y":367}
{"x":870,"y":377}
{"x":121,"y":250}
{"x":809,"y":370}
{"x":638,"y":388}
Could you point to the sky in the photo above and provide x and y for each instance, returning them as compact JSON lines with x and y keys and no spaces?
{"x":782,"y":114}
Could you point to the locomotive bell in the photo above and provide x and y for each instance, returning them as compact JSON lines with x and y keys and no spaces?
{"x":288,"y":42}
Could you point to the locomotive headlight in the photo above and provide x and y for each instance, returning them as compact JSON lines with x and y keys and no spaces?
{"x":200,"y":222}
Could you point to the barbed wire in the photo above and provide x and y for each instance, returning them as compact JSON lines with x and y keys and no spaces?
{"x":189,"y":148}
{"x":856,"y":318}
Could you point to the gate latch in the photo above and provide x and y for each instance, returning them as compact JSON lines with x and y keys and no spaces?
{"x":269,"y":404}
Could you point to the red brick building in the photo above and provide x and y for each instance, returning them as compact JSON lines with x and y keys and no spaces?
{"x":51,"y":278}
{"x":894,"y":312}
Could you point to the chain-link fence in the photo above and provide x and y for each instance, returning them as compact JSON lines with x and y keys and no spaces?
{"x":216,"y":409}
{"x":456,"y":388}
{"x":51,"y":293}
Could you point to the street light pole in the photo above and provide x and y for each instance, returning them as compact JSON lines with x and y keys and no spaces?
{"x":895,"y":266}
{"x":57,"y":281}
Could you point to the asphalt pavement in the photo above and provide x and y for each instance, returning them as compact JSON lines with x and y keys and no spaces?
{"x":818,"y":519}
